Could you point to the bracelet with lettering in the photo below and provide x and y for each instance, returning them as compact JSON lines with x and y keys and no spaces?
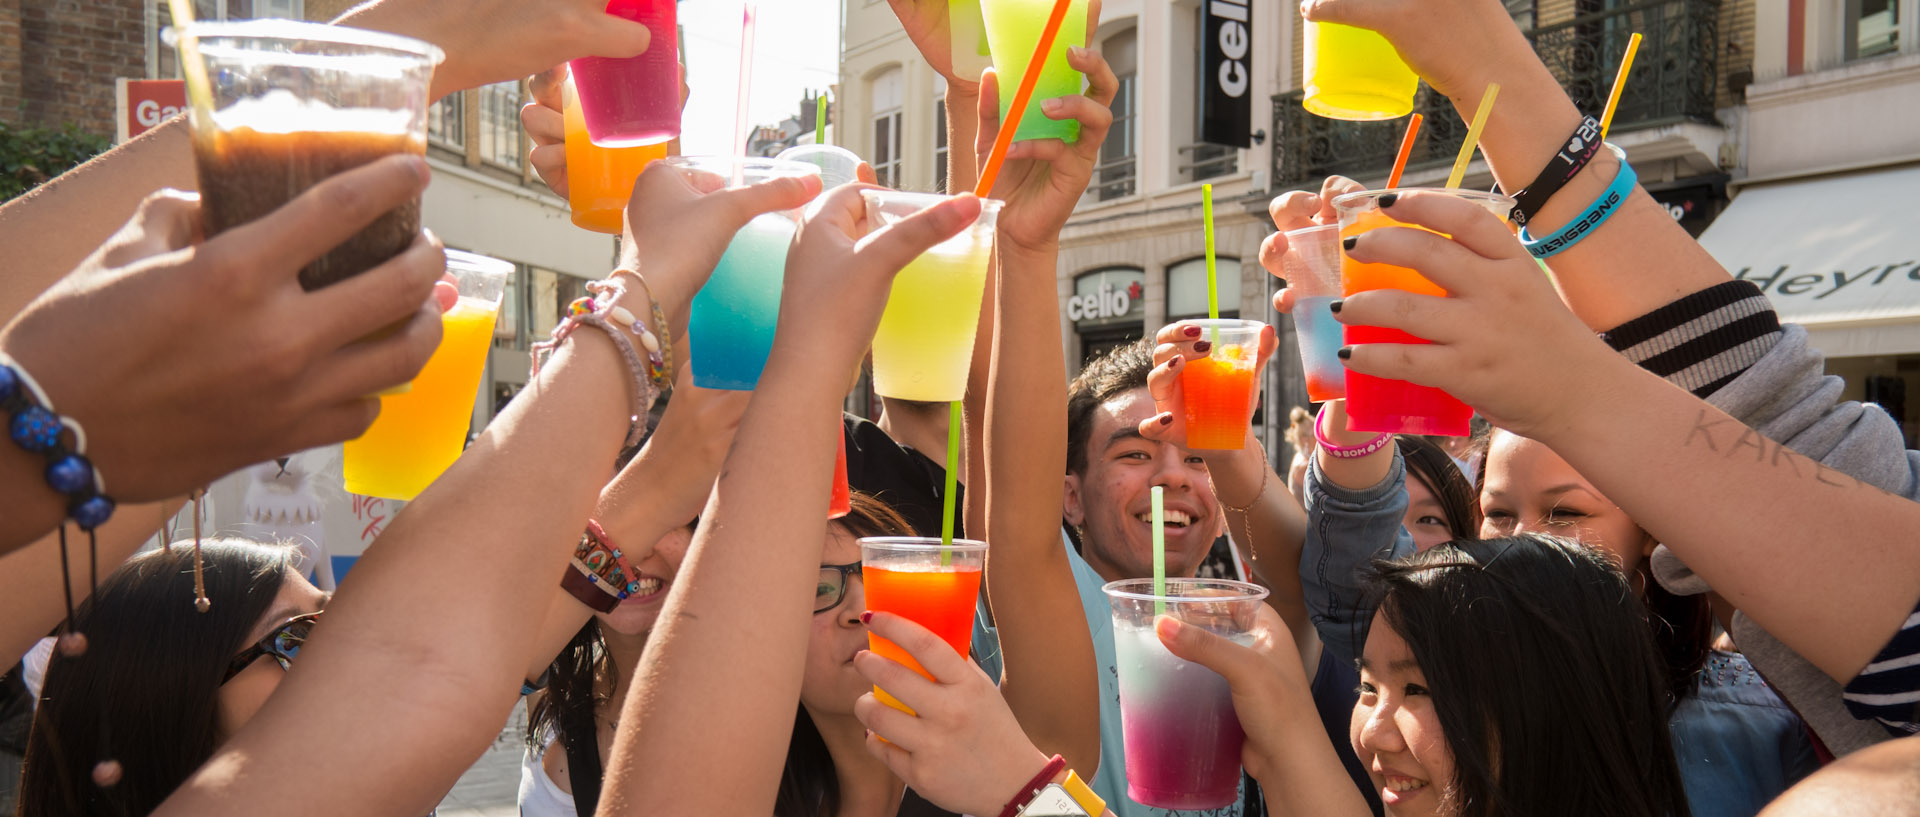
{"x":1602,"y":208}
{"x":1566,"y":163}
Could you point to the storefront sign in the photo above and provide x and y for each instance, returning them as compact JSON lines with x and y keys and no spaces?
{"x":1106,"y":297}
{"x":1692,"y":207}
{"x":140,"y":105}
{"x":1226,"y":73}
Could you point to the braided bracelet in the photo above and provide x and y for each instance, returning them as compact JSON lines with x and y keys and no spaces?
{"x":660,"y":325}
{"x":1346,"y":452}
{"x":600,"y":576}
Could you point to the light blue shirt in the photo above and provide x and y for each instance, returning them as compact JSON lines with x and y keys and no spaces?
{"x":1111,"y":781}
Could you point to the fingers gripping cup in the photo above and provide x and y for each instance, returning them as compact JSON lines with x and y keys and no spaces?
{"x":934,"y":587}
{"x":1220,"y":387}
{"x":1312,"y":265}
{"x":636,"y":100}
{"x":925,"y":342}
{"x":599,"y":179}
{"x":420,"y":433}
{"x":730,"y":323}
{"x":294,"y":103}
{"x":1355,"y":74}
{"x":1396,"y":406}
{"x":1182,"y":738}
{"x":1013,"y":32}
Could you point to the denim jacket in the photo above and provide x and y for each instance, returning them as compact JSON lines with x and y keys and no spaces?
{"x":1347,"y":530}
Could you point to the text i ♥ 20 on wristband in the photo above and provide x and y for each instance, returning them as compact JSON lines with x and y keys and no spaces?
{"x":1596,"y":214}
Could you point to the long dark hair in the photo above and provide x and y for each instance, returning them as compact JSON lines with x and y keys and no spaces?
{"x":1543,"y":674}
{"x":1459,"y":503}
{"x":145,"y":692}
{"x":809,"y":787}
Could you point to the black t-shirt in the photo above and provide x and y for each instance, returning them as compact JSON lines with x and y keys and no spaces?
{"x":907,"y":480}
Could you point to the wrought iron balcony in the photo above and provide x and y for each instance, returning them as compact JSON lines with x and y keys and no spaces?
{"x":1673,"y":80}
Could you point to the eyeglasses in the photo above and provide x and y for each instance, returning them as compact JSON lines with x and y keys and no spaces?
{"x":282,"y":644}
{"x":832,"y":588}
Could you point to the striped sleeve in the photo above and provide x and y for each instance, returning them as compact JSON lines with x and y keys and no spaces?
{"x":1702,"y":341}
{"x":1888,"y":690}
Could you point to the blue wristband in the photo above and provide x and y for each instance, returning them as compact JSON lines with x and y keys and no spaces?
{"x":1597,"y":214}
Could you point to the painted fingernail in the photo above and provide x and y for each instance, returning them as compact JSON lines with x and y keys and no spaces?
{"x":866,"y":617}
{"x":1166,"y":419}
{"x":1193,"y":331}
{"x":1335,"y":306}
{"x":1202,"y":346}
{"x":1387,"y":199}
{"x":1346,"y":352}
{"x":1349,"y":241}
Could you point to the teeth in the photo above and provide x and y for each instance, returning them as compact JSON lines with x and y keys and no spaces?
{"x":649,"y":586}
{"x":1173,"y":518}
{"x":1411,"y":785}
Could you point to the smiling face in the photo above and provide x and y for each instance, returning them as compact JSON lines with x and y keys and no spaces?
{"x":637,"y":614}
{"x":1530,"y":489}
{"x":1395,"y":730}
{"x":830,"y":684}
{"x":1112,"y":503}
{"x":242,"y":696}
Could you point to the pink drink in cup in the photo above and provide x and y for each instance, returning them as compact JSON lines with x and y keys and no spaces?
{"x":634,"y":101}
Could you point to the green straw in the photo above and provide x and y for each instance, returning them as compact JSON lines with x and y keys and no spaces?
{"x":954,"y":420}
{"x":820,"y":119}
{"x":1159,"y":551}
{"x":1213,"y":285}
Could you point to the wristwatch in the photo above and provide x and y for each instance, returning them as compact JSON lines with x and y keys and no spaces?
{"x":1069,"y":799}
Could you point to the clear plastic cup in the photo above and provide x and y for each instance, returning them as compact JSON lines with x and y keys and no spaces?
{"x":636,"y":100}
{"x":1312,"y":265}
{"x":934,"y":587}
{"x":924,"y":346}
{"x":1220,"y":388}
{"x":1013,"y":32}
{"x":294,"y":103}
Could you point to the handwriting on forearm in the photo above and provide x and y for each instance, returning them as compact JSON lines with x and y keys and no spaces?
{"x":1719,"y":437}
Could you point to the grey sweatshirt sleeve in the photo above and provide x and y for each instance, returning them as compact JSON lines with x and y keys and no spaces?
{"x":1346,"y":530}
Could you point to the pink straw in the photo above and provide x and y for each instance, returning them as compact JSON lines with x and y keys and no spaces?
{"x":746,"y":83}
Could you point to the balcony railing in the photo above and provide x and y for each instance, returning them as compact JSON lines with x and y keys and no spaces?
{"x":1673,"y":80}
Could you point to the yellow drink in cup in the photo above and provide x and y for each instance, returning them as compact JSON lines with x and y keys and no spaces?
{"x":419,"y":434}
{"x":599,"y":180}
{"x":924,"y":345}
{"x":1355,"y":74}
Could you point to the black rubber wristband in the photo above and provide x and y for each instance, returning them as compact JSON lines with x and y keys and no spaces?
{"x":1579,"y":148}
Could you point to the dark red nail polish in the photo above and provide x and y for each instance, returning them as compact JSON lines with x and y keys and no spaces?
{"x":1349,"y":241}
{"x":1193,"y":331}
{"x":1166,"y":419}
{"x":866,"y":617}
{"x":1335,"y":306}
{"x":1202,"y":346}
{"x":1387,"y":199}
{"x":1346,"y":352}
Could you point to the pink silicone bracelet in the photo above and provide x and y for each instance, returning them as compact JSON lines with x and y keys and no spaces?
{"x":1346,"y":452}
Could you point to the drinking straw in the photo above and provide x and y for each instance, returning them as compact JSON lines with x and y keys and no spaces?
{"x":740,"y":103}
{"x":1159,"y":551}
{"x":1619,"y":84}
{"x":1406,"y":149}
{"x":954,"y":420}
{"x":1473,"y":135}
{"x":1020,"y":98}
{"x":199,"y":90}
{"x":820,"y":119}
{"x":1213,"y":286}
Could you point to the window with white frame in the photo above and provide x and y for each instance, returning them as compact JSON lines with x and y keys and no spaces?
{"x":888,"y":95}
{"x":940,"y":152}
{"x":1872,"y":28}
{"x":1199,"y":160}
{"x":447,"y":120}
{"x":1119,"y":153}
{"x":500,"y":125}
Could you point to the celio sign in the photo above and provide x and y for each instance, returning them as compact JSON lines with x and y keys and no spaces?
{"x":1106,"y":303}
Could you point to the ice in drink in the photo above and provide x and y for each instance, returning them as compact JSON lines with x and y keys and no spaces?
{"x":1219,"y":388}
{"x":635,"y":100}
{"x":1013,"y":32}
{"x":924,"y":346}
{"x":600,"y":180}
{"x":905,"y":576}
{"x":1355,"y":74}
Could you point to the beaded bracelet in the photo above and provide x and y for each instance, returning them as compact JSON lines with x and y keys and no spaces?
{"x":660,"y":325}
{"x":1597,"y":213}
{"x":36,"y":427}
{"x":601,"y":578}
{"x":1346,"y":452}
{"x":648,"y":372}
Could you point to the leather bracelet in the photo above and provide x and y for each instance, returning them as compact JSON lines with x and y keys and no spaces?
{"x":1033,"y":787}
{"x":1346,"y":452}
{"x":1573,"y":155}
{"x":1602,"y":208}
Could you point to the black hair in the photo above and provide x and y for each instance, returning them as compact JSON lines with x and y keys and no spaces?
{"x":1459,"y":503}
{"x":1105,"y":377}
{"x":809,"y":786}
{"x":1543,"y":674}
{"x":145,"y":692}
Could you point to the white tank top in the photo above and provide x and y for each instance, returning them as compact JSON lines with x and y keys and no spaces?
{"x":539,"y":795}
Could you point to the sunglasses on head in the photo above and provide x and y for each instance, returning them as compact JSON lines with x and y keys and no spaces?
{"x":283,"y":643}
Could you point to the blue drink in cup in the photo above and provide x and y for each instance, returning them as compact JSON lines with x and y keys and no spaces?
{"x":1312,"y":266}
{"x":730,"y":324}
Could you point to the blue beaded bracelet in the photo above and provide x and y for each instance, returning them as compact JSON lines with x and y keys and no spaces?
{"x":1602,"y":208}
{"x":35,"y":427}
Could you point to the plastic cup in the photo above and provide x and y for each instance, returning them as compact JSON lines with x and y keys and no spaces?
{"x":730,"y":323}
{"x":634,"y":101}
{"x":1013,"y":31}
{"x":1220,"y":387}
{"x":840,"y":502}
{"x":600,"y":180}
{"x":1182,"y":738}
{"x":971,"y":55}
{"x":904,"y":575}
{"x":420,"y":433}
{"x":1396,"y":406}
{"x":924,"y":346}
{"x":1352,"y":73}
{"x":1312,"y":265}
{"x":837,"y":165}
{"x":294,"y":103}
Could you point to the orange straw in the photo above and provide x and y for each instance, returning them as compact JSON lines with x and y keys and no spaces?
{"x":1406,"y":149}
{"x":1020,"y":98}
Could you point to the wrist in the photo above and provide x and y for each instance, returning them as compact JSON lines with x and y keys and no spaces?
{"x":1236,"y":474}
{"x":1019,"y":783}
{"x":1017,"y":255}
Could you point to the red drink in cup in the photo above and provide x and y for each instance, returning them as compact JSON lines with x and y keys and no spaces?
{"x":634,"y":101}
{"x":1220,"y":387}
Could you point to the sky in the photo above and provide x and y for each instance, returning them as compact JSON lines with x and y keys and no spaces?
{"x":796,"y":50}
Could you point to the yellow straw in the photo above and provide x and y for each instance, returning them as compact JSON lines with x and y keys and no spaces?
{"x":1213,"y":288}
{"x":820,"y":119}
{"x":1473,"y":135}
{"x":199,"y":90}
{"x":1619,"y":84}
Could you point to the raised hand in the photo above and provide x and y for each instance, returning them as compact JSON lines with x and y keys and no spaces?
{"x":1295,"y":210}
{"x":1174,"y":346}
{"x":963,"y":750}
{"x":499,"y":40}
{"x":925,"y":22}
{"x":1042,"y":179}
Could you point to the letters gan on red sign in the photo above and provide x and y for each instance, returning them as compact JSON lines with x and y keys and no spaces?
{"x":142,"y":104}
